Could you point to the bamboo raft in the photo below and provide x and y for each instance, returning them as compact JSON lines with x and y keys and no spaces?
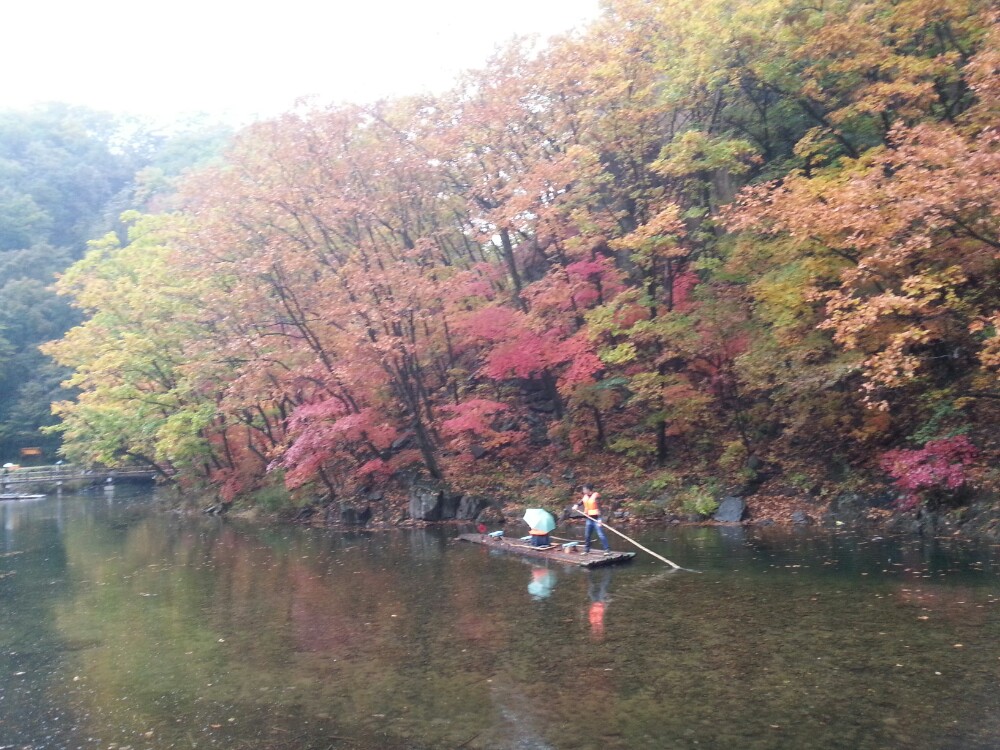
{"x":555,"y":552}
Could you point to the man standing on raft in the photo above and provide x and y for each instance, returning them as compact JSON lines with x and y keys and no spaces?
{"x":593,"y":513}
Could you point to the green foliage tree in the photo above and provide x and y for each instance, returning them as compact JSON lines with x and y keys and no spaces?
{"x":65,"y":175}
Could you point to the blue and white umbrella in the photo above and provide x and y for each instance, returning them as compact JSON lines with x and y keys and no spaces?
{"x":539,"y":519}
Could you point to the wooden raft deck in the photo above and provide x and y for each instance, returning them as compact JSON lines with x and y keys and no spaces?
{"x":552,"y":552}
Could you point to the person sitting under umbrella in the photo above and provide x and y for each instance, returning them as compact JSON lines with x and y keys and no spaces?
{"x":541,"y":523}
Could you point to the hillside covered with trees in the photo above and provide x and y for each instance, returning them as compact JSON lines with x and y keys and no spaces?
{"x":66,"y":173}
{"x":700,"y":246}
{"x":58,"y":173}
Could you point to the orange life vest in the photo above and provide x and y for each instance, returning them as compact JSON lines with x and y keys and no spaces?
{"x":590,"y":504}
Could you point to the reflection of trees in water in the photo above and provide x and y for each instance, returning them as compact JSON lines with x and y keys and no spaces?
{"x":957,"y":605}
{"x":315,"y":621}
{"x":805,"y":648}
{"x":839,"y":552}
{"x":33,"y":579}
{"x":360,"y":636}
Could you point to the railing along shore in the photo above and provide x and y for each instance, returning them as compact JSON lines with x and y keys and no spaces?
{"x":59,"y":473}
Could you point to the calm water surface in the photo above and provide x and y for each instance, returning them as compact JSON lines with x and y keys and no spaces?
{"x":122,"y":626}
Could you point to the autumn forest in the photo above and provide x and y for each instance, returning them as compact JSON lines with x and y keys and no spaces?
{"x":697,"y":248}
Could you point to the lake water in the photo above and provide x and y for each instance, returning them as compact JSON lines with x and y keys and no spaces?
{"x":122,"y":626}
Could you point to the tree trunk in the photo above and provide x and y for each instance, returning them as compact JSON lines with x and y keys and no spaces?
{"x":426,"y":449}
{"x":515,"y":277}
{"x":599,"y":423}
{"x":661,"y":442}
{"x":552,"y":392}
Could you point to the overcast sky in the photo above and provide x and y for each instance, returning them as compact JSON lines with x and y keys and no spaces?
{"x":230,"y":59}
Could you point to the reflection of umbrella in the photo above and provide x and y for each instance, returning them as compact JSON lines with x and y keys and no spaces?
{"x":539,"y":519}
{"x":542,"y":581}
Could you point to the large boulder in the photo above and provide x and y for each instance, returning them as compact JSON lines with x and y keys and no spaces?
{"x":449,"y":505}
{"x":731,"y":510}
{"x":352,"y":516}
{"x":469,"y":506}
{"x":425,"y":502}
{"x":432,"y":502}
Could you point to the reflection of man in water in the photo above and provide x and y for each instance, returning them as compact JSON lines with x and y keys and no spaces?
{"x":597,"y":588}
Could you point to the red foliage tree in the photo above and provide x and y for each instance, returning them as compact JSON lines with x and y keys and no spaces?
{"x":941,"y":465}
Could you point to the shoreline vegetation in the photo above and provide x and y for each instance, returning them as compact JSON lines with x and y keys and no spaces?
{"x":692,"y":253}
{"x":873,"y":509}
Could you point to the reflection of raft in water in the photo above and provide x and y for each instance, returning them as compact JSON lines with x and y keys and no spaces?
{"x":555,"y":552}
{"x":19,"y":496}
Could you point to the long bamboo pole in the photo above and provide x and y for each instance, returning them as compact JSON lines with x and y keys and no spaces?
{"x":633,"y":541}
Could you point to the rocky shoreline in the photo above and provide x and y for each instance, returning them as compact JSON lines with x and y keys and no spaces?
{"x":429,"y":504}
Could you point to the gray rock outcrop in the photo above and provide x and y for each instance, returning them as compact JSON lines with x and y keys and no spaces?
{"x":731,"y":510}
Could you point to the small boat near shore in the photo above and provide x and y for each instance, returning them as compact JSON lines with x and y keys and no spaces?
{"x":19,"y":496}
{"x":556,"y":552}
